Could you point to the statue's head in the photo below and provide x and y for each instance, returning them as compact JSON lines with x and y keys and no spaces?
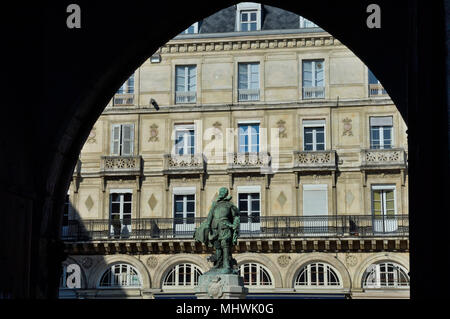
{"x":223,"y":192}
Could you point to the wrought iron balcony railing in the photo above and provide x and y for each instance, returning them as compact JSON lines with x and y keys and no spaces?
{"x":315,"y":160}
{"x":121,"y":165}
{"x":123,"y":99}
{"x":185,"y":97}
{"x":359,"y":226}
{"x":248,"y":95}
{"x":394,"y":157}
{"x":313,"y":92}
{"x":174,"y":163}
{"x":376,"y":89}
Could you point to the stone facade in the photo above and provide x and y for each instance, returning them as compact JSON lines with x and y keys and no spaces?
{"x":345,"y":231}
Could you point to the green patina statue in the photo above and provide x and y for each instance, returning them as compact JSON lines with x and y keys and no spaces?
{"x":221,"y":231}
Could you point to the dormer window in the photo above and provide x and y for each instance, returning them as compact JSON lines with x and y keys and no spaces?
{"x":305,"y":23}
{"x":192,"y":29}
{"x":248,"y":16}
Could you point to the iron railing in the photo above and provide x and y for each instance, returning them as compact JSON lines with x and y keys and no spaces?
{"x":251,"y":227}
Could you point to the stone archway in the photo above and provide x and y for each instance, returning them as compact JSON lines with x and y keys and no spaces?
{"x":77,"y":84}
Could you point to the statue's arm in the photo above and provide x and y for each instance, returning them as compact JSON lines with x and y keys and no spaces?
{"x":236,"y":217}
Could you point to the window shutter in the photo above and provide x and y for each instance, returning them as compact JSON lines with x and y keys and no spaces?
{"x":315,"y":201}
{"x":127,"y":139}
{"x":307,"y":74}
{"x":243,"y":75}
{"x":115,"y":139}
{"x":180,"y":78}
{"x":192,"y":79}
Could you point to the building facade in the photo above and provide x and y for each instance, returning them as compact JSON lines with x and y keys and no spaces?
{"x":266,"y":103}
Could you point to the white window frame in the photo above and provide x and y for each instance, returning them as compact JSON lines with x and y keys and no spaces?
{"x":184,"y":128}
{"x":121,"y":139}
{"x":121,"y":210}
{"x":259,"y":268}
{"x":309,"y":284}
{"x":386,"y":224}
{"x":128,"y":274}
{"x":250,"y":226}
{"x":376,"y":269}
{"x":126,"y":88}
{"x":195,"y":25}
{"x":195,"y":270}
{"x":314,"y":124}
{"x":381,"y":131}
{"x":188,"y":94}
{"x":248,"y":93}
{"x":249,"y":135}
{"x":185,"y":227}
{"x":318,"y":94}
{"x":248,"y":6}
{"x":303,"y":21}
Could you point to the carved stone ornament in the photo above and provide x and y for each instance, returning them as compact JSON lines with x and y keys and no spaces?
{"x":283,"y":260}
{"x":347,"y":127}
{"x":87,"y":262}
{"x":351,"y":260}
{"x":91,"y":138}
{"x":282,"y":132}
{"x":152,"y":262}
{"x":215,"y":290}
{"x":153,"y":133}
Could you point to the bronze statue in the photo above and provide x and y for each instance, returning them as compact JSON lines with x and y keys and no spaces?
{"x":221,"y":231}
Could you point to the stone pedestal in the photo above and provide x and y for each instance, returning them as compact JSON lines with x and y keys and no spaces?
{"x":220,"y":286}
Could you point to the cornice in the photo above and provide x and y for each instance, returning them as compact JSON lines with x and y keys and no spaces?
{"x":250,"y":43}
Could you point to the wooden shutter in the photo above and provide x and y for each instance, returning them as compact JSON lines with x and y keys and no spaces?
{"x":115,"y":139}
{"x":127,"y":139}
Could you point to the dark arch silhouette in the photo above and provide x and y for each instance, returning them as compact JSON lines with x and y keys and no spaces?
{"x":59,"y":80}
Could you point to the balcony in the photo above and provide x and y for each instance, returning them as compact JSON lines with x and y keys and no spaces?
{"x":377,"y":90}
{"x":185,"y":97}
{"x":245,"y":95}
{"x":345,"y":226}
{"x":383,"y":158}
{"x":313,"y":92}
{"x":314,"y":160}
{"x":248,"y":161}
{"x":121,"y":165}
{"x":179,"y":164}
{"x":126,"y":99}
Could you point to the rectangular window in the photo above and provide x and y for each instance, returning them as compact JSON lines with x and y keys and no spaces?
{"x":248,"y":81}
{"x":249,"y":20}
{"x":249,"y":205}
{"x":384,"y":208}
{"x":313,"y":79}
{"x":185,"y":84}
{"x":192,"y":29}
{"x":314,"y":135}
{"x":375,"y":87}
{"x":184,"y":210}
{"x":305,"y":23}
{"x":127,"y":87}
{"x":381,"y":132}
{"x":184,"y":139}
{"x":315,"y":209}
{"x":120,"y":214}
{"x":248,"y":135}
{"x":122,"y":139}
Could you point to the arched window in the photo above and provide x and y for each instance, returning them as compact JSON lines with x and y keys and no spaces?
{"x":256,"y":275}
{"x":317,"y":275}
{"x":182,"y":275}
{"x":120,"y":275}
{"x":385,"y":274}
